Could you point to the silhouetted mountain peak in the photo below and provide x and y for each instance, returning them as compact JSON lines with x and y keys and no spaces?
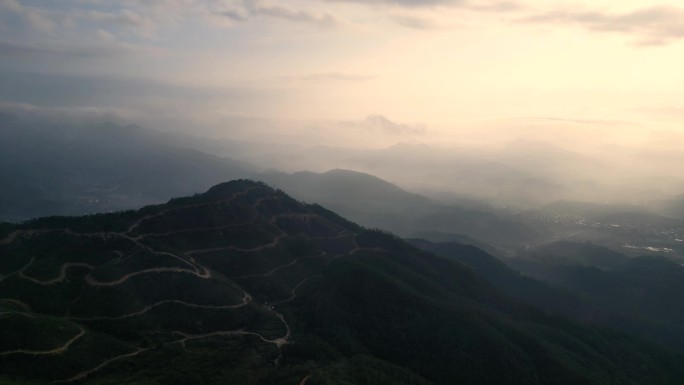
{"x":226,"y":189}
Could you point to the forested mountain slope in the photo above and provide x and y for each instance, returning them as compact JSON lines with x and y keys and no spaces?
{"x":244,"y":285}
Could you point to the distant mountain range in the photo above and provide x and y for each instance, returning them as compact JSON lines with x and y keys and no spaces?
{"x":74,"y":169}
{"x":61,"y":169}
{"x":245,"y":285}
{"x":71,"y":170}
{"x":374,"y":202}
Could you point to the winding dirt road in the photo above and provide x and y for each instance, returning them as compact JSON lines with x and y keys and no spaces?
{"x":293,"y":294}
{"x":279,"y":342}
{"x":269,"y":245}
{"x":92,"y":282}
{"x":253,"y":220}
{"x":277,"y":268}
{"x":245,"y":300}
{"x":60,"y":277}
{"x":19,"y":313}
{"x":30,"y":232}
{"x":57,"y":350}
{"x":23,"y":305}
{"x":19,"y":272}
{"x":137,"y":223}
{"x":194,"y":268}
{"x":86,"y":373}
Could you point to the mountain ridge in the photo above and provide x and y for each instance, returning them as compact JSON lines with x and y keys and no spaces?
{"x":243,"y":284}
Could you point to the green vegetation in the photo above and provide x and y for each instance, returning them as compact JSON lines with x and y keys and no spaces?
{"x":640,"y":291}
{"x":244,"y":285}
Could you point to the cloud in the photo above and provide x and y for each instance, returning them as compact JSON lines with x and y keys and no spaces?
{"x":39,"y":19}
{"x":253,"y":9}
{"x":580,"y":121}
{"x":61,"y":90}
{"x":668,"y":110}
{"x":13,"y":49}
{"x":47,"y":19}
{"x":476,"y":5}
{"x":147,"y":19}
{"x":10,"y":49}
{"x":105,"y":35}
{"x":295,"y":15}
{"x":335,"y":76}
{"x":403,"y":3}
{"x":649,"y":26}
{"x":503,"y":6}
{"x":234,"y":15}
{"x":30,"y":112}
{"x":124,"y":99}
{"x":381,"y":127}
{"x":124,"y":18}
{"x":389,"y":127}
{"x":414,"y":22}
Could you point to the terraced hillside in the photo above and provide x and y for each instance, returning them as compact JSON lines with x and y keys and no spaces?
{"x":244,"y":285}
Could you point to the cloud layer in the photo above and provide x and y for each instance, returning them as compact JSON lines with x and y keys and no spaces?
{"x":449,"y":62}
{"x":649,"y":26}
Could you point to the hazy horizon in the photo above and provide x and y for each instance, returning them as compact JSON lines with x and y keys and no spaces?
{"x":583,"y":98}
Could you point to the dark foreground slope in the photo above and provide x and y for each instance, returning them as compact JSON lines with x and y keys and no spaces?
{"x":243,"y":285}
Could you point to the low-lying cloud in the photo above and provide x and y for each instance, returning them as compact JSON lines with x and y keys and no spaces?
{"x":649,"y":26}
{"x":389,"y":127}
{"x":335,"y":76}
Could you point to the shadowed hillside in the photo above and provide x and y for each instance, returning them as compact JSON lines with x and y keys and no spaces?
{"x":244,"y":285}
{"x":374,"y":202}
{"x":643,"y":289}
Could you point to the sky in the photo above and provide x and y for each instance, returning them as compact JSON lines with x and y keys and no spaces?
{"x":404,"y":69}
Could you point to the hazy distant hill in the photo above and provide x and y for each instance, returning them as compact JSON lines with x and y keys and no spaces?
{"x":49,"y":169}
{"x":575,"y":253}
{"x":374,"y":202}
{"x":589,"y":209}
{"x":673,"y":207}
{"x":489,"y":176}
{"x":641,"y":288}
{"x":563,"y":278}
{"x":349,"y":187}
{"x":244,"y":285}
{"x":457,"y":239}
{"x":517,"y":285}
